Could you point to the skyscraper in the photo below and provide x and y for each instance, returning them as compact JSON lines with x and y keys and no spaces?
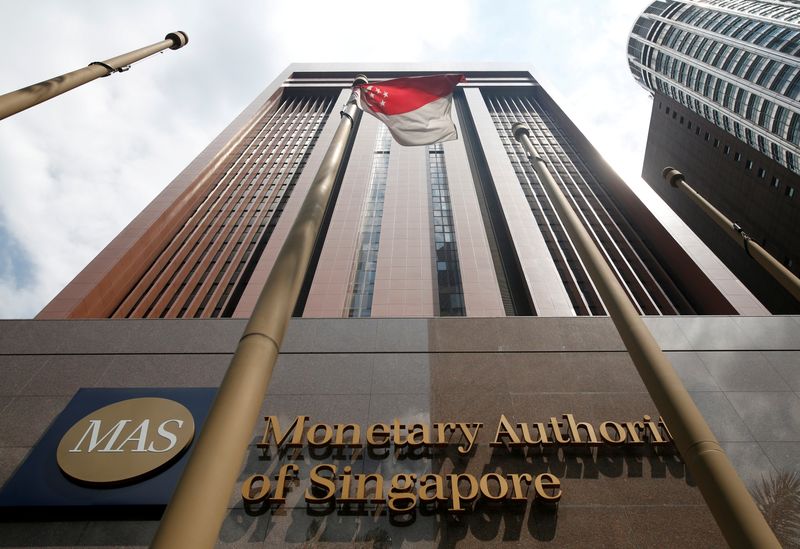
{"x":443,"y":297}
{"x":456,"y":229}
{"x":726,"y":82}
{"x":735,"y":63}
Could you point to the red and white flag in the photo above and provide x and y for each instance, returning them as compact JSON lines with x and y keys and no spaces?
{"x":415,"y":109}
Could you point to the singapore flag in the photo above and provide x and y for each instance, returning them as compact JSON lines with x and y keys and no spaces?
{"x":415,"y":109}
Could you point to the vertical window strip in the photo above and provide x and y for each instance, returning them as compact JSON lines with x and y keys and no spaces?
{"x":550,"y":144}
{"x":209,"y":250}
{"x":635,"y":273}
{"x":153,"y":284}
{"x":288,"y":164}
{"x":583,"y":296}
{"x":582,"y":189}
{"x":273,"y":203}
{"x":272,"y":145}
{"x":362,"y":284}
{"x":571,"y":172}
{"x":236,"y":238}
{"x":448,"y":270}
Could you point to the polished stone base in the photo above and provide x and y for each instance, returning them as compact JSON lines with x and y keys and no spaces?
{"x":744,"y":374}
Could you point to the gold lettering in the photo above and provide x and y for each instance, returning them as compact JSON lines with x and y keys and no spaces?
{"x":516,"y":481}
{"x":425,"y":487}
{"x":261,"y":494}
{"x":548,"y":487}
{"x":415,"y":435}
{"x":655,"y":434}
{"x":621,"y":434}
{"x":311,"y":436}
{"x":273,"y":427}
{"x":280,"y":488}
{"x":505,"y":431}
{"x":355,"y":437}
{"x":469,"y":435}
{"x":555,"y":427}
{"x":361,"y":490}
{"x":541,"y":436}
{"x":319,"y":483}
{"x":398,"y":494}
{"x":378,"y":435}
{"x":441,"y":432}
{"x":633,"y":431}
{"x":456,"y":496}
{"x":398,"y":433}
{"x":418,"y":435}
{"x":501,"y":483}
{"x":575,"y":433}
{"x":347,"y":479}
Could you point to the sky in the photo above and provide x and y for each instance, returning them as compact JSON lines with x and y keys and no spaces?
{"x":75,"y":170}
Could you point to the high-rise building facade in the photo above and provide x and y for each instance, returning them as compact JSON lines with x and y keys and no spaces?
{"x":725,"y":77}
{"x":444,"y":298}
{"x":461,"y":228}
{"x":733,"y":62}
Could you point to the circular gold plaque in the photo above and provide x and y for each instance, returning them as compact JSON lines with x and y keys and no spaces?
{"x":125,"y":440}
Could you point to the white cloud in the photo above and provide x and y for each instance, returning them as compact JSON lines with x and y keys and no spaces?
{"x":367,"y":32}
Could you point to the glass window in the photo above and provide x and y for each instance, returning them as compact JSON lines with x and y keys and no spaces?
{"x":362,"y":284}
{"x":450,"y":290}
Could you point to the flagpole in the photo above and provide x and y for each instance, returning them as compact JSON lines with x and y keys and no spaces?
{"x":781,"y":274}
{"x":737,"y":516}
{"x":24,"y":98}
{"x":197,"y":509}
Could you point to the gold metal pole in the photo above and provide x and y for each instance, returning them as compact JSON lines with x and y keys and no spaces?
{"x":784,"y":276}
{"x":194,"y":515}
{"x":16,"y":101}
{"x":737,"y":516}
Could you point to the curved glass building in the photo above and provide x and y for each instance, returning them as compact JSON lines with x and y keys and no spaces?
{"x":736,"y":63}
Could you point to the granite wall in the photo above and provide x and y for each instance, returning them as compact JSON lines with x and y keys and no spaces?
{"x":744,"y":374}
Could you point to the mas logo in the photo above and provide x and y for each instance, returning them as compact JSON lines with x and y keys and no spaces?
{"x":111,"y":453}
{"x":125,"y":440}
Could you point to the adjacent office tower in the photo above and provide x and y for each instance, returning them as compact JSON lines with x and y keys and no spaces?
{"x":725,"y":76}
{"x":461,"y":228}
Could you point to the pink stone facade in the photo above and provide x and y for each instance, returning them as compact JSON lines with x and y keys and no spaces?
{"x":329,"y":294}
{"x":544,"y":283}
{"x":405,"y":281}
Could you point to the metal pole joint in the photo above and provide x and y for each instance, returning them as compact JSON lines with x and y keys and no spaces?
{"x":518,"y":129}
{"x":179,"y":39}
{"x":106,"y":66}
{"x":672,"y":176}
{"x":350,"y":108}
